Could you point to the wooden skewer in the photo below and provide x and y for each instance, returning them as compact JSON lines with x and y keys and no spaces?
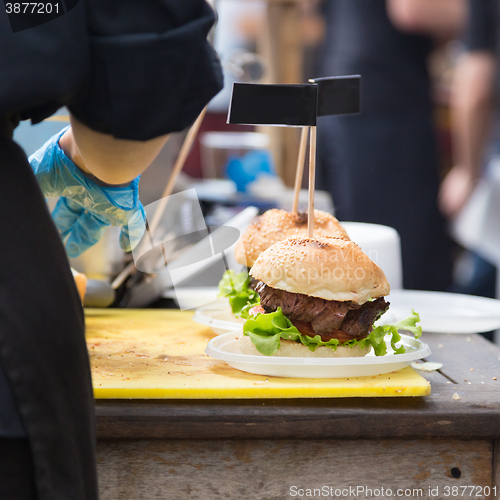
{"x":300,"y":168}
{"x":179,"y":164}
{"x":160,"y":209}
{"x":312,"y":180}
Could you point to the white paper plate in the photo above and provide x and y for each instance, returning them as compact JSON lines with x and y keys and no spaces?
{"x":225,"y":347}
{"x":445,"y":312}
{"x":218,"y":316}
{"x":439,"y":312}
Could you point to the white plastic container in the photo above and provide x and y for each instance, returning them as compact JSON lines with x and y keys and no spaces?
{"x":382,"y":244}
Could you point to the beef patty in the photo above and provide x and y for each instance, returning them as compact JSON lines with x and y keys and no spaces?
{"x":325,"y":316}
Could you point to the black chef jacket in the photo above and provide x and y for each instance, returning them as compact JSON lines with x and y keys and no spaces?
{"x":135,"y":69}
{"x":381,"y":166}
{"x":482,"y":26}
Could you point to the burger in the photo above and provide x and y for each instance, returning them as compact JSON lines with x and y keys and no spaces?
{"x":271,"y":227}
{"x":319,"y":297}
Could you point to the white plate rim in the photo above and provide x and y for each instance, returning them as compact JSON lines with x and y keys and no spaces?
{"x":422,"y":350}
{"x":203,"y":319}
{"x":485,"y":306}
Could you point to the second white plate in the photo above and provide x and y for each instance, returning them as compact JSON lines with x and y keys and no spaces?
{"x":218,"y":316}
{"x":439,"y":312}
{"x":442,"y":312}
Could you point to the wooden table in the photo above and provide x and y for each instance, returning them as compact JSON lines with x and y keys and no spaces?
{"x":277,"y":449}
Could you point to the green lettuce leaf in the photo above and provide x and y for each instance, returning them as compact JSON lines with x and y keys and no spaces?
{"x":236,"y":287}
{"x":266,"y":330}
{"x":409,"y":324}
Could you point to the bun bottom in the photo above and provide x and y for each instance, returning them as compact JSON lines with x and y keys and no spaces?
{"x":292,"y":349}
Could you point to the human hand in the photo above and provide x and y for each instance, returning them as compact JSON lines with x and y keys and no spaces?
{"x":455,"y":190}
{"x":86,"y":208}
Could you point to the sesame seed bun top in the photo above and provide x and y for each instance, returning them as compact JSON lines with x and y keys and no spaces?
{"x":328,"y":268}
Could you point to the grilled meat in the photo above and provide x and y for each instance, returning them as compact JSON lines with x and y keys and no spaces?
{"x":327,"y":318}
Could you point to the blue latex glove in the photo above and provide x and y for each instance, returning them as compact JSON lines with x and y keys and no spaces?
{"x":85,"y":208}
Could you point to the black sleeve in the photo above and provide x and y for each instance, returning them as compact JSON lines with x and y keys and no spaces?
{"x":481,"y":32}
{"x":42,"y":67}
{"x":152,"y":68}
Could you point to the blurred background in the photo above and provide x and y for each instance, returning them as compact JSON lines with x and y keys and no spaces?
{"x":421,"y":157}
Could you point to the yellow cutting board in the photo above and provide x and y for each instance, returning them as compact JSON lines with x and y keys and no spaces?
{"x":159,"y":353}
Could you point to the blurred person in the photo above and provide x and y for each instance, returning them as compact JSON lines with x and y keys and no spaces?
{"x":382,"y":166}
{"x":473,"y":105}
{"x":131,"y":72}
{"x":476,"y":134}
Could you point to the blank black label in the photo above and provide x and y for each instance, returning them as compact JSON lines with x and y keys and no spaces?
{"x":262,"y":104}
{"x":339,"y":95}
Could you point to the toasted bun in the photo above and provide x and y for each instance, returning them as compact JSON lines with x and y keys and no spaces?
{"x":276,"y":225}
{"x":292,"y":349}
{"x":81,"y":283}
{"x":328,"y":268}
